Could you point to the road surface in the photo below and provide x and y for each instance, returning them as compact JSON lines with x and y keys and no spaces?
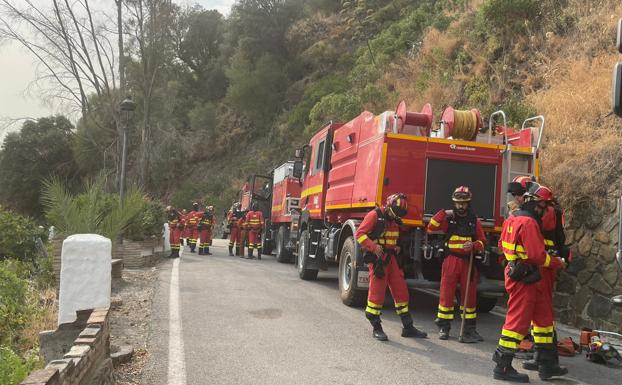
{"x":225,"y":320}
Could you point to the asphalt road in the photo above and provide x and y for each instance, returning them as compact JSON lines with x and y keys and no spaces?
{"x":255,"y":322}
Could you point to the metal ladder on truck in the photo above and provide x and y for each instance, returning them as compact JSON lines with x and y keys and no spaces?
{"x":519,"y":161}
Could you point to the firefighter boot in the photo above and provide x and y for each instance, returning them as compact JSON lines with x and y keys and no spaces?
{"x":548,"y":366}
{"x":206,"y":250}
{"x":444,"y":326}
{"x":201,"y":250}
{"x":504,"y":370}
{"x":470,"y":335}
{"x":231,"y":251}
{"x":409,"y":330}
{"x":259,"y":253}
{"x":377,"y":333}
{"x":250,"y":253}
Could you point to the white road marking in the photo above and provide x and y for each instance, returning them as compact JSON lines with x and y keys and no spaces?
{"x":176,"y":360}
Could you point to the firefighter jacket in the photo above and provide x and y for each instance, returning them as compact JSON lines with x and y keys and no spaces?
{"x":522,"y":240}
{"x":193,"y":219}
{"x":254,"y":220}
{"x":206,"y":222}
{"x":376,"y":229}
{"x":174,"y":219}
{"x":459,"y":230}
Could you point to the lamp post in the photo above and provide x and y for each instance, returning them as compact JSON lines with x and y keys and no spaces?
{"x":126,"y":109}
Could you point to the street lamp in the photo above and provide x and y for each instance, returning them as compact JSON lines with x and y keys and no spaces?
{"x":126,"y":109}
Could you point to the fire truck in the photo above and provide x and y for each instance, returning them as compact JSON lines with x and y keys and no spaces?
{"x":348,"y":169}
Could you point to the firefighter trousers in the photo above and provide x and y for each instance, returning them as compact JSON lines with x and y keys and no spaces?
{"x":193,"y":234}
{"x":254,"y":239}
{"x":234,"y":236}
{"x":205,"y":237}
{"x":174,"y":238}
{"x":454,"y":271}
{"x":394,"y":279}
{"x":526,"y":305}
{"x":545,"y":293}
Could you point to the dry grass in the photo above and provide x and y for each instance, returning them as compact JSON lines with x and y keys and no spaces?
{"x":581,"y":159}
{"x":43,"y":318}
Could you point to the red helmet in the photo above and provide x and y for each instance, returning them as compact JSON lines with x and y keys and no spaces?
{"x":461,"y":194}
{"x":520,"y":184}
{"x":397,"y":204}
{"x":538,"y":193}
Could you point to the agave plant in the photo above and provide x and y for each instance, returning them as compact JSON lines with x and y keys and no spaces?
{"x":93,"y":211}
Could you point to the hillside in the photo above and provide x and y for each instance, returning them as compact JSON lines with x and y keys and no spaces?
{"x":555,"y":59}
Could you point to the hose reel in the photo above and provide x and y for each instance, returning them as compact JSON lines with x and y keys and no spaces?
{"x":462,"y":125}
{"x":421,"y":119}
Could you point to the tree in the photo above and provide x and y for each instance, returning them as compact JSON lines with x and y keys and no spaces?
{"x":41,"y":149}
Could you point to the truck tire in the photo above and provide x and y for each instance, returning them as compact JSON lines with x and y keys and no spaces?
{"x":303,"y":257}
{"x":350,"y":295}
{"x":485,"y":304}
{"x":282,"y":254}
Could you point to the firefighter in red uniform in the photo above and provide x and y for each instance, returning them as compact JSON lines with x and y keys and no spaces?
{"x":235,"y":232}
{"x":555,"y":245}
{"x":205,"y":226}
{"x":378,"y":235}
{"x":183,"y":227}
{"x":174,"y":229}
{"x":464,"y":236}
{"x":522,"y":244}
{"x":192,"y":222}
{"x":254,"y":225}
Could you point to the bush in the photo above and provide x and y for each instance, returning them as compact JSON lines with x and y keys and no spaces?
{"x":12,"y":368}
{"x":18,"y":236}
{"x":506,"y":18}
{"x":14,"y":309}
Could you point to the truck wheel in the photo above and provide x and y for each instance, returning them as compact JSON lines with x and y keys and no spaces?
{"x":282,"y":254}
{"x":485,"y":304}
{"x":350,"y":295}
{"x":303,"y":258}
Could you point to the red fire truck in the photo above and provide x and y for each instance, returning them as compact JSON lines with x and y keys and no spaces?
{"x":349,"y":168}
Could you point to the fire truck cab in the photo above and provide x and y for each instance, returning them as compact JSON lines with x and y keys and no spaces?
{"x":348,"y":169}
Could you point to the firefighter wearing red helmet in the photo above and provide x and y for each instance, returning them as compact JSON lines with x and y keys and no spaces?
{"x":522,"y":244}
{"x":517,"y":187}
{"x":464,"y":234}
{"x":378,"y":235}
{"x":555,"y":244}
{"x":235,"y":236}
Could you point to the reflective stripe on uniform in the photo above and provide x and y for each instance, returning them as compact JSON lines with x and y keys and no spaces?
{"x":548,"y":242}
{"x":445,"y":312}
{"x":401,"y":307}
{"x":373,"y":308}
{"x":434,"y":222}
{"x":547,"y":261}
{"x":470,"y":312}
{"x":362,"y":238}
{"x":510,"y":339}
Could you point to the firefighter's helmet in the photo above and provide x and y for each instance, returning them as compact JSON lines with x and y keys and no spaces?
{"x":397,"y":204}
{"x":168,"y":208}
{"x":520,"y":184}
{"x":462,"y":194}
{"x":195,"y":206}
{"x":538,"y":193}
{"x":210,"y":208}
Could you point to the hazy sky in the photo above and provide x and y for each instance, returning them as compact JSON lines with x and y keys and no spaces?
{"x":17,"y":71}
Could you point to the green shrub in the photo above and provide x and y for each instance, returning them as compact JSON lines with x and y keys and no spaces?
{"x":14,"y":309}
{"x":506,"y":17}
{"x":18,"y":236}
{"x":12,"y":368}
{"x":337,"y":107}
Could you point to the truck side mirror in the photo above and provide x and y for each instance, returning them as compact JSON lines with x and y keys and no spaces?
{"x":619,"y":42}
{"x":297,"y":171}
{"x":616,"y":92}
